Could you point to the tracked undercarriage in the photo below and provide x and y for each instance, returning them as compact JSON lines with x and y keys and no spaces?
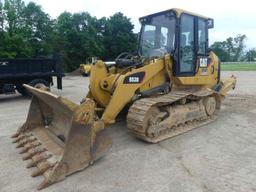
{"x":157,"y":118}
{"x":62,"y":137}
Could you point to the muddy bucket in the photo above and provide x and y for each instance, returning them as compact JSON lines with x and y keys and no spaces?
{"x":60,"y":137}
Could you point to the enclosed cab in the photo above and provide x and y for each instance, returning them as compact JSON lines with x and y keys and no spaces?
{"x":184,"y":35}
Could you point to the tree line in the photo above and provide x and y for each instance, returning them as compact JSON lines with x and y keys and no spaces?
{"x":233,"y":49}
{"x":27,"y":31}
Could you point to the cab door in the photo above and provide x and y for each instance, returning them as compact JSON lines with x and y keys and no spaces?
{"x":186,"y":53}
{"x":202,"y":51}
{"x":195,"y":65}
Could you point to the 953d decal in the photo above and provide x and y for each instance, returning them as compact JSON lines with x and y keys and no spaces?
{"x":135,"y":78}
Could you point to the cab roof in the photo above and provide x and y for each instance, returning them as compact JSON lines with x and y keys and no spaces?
{"x":178,"y":13}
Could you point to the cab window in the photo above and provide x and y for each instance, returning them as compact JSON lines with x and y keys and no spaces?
{"x":202,"y":41}
{"x":158,"y":35}
{"x":187,"y":45}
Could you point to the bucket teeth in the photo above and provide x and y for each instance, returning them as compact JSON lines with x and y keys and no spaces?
{"x":15,"y":135}
{"x":28,"y":146}
{"x":33,"y":152}
{"x":20,"y":137}
{"x":44,"y":184}
{"x":31,"y":164}
{"x":41,"y":168}
{"x":37,"y":159}
{"x":22,"y":142}
{"x":71,"y":138}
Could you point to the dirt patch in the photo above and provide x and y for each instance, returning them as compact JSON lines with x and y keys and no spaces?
{"x":240,"y":102}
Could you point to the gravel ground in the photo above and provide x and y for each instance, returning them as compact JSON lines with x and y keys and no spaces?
{"x":218,"y":157}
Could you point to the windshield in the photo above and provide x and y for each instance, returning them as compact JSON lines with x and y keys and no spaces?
{"x":157,"y":35}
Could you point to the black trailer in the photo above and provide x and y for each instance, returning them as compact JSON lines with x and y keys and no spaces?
{"x":35,"y":72}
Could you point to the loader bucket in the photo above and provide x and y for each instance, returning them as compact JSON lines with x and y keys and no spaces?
{"x":60,"y":137}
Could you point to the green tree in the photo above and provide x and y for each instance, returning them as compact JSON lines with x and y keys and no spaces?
{"x":63,"y":29}
{"x":79,"y":38}
{"x":38,"y":30}
{"x":27,"y":31}
{"x":1,"y":17}
{"x":11,"y":39}
{"x":250,"y":55}
{"x":239,"y":45}
{"x":13,"y":10}
{"x":220,"y":49}
{"x":232,"y":49}
{"x":118,"y":36}
{"x":2,"y":32}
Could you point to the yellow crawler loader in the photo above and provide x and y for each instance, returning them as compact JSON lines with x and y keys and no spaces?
{"x":172,"y":86}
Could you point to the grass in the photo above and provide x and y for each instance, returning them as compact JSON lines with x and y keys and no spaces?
{"x":238,"y":67}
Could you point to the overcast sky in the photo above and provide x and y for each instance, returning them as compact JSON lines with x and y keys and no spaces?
{"x":231,"y":17}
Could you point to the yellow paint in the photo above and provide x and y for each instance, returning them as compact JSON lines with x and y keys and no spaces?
{"x":85,"y":69}
{"x":124,"y":93}
{"x":180,"y":11}
{"x":107,"y":87}
{"x":109,"y":91}
{"x":200,"y":79}
{"x":99,"y":72}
